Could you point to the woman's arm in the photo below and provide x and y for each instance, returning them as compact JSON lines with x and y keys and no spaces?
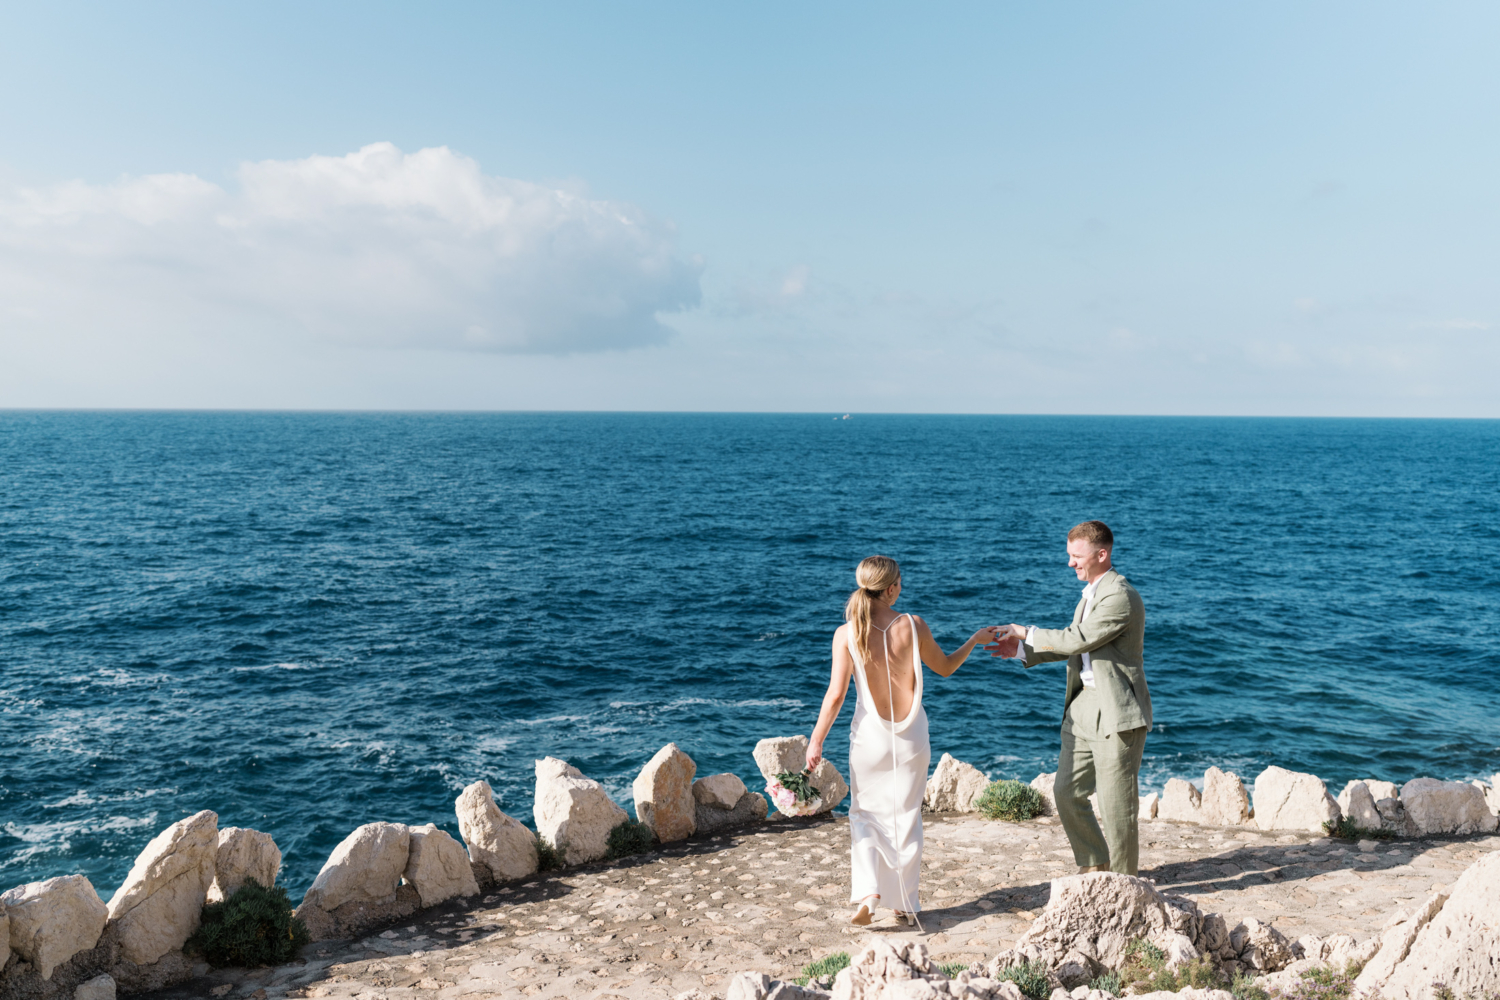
{"x":833,"y":698}
{"x":940,"y":662}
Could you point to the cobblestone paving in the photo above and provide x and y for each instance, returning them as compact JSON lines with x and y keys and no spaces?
{"x":773,"y":897}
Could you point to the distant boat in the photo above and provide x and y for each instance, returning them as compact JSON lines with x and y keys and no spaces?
{"x":846,"y":416}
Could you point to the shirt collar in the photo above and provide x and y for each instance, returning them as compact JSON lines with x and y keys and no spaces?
{"x":1090,"y":590}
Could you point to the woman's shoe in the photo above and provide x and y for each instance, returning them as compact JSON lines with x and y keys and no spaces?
{"x":865,"y":913}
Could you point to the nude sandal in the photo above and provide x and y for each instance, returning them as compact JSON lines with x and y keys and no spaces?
{"x":866,"y":912}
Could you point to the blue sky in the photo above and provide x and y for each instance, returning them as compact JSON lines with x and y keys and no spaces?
{"x":1148,"y":208}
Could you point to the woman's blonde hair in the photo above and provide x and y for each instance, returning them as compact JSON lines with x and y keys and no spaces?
{"x":874,"y":576}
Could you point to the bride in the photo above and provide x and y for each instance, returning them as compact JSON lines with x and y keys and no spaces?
{"x":888,"y":750}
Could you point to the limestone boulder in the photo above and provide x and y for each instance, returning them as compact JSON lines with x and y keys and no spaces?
{"x":498,"y":844}
{"x":1396,"y":939}
{"x":1180,"y":802}
{"x":1492,"y":794}
{"x":1044,"y":785}
{"x":789,"y":753}
{"x":101,"y":987}
{"x":750,"y":808}
{"x":954,"y":786}
{"x":365,"y":867}
{"x":437,"y":867}
{"x":664,"y":794}
{"x":158,"y":907}
{"x":888,"y":968}
{"x":573,"y":813}
{"x":720,"y":791}
{"x":1458,"y":944}
{"x":1290,"y":800}
{"x":1382,"y":789}
{"x":1358,"y":806}
{"x":4,"y":937}
{"x":1098,"y":914}
{"x":1150,"y":806}
{"x":1224,"y":801}
{"x":1260,"y":946}
{"x":51,"y":921}
{"x":1446,"y":807}
{"x":243,"y":854}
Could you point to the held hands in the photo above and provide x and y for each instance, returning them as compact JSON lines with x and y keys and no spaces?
{"x":1008,"y":640}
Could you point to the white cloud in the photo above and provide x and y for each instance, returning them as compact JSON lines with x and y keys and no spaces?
{"x":378,"y":247}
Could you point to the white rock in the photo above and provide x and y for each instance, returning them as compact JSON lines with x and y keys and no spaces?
{"x":1150,"y":806}
{"x":1459,"y":943}
{"x":1289,"y":800}
{"x":1382,"y":789}
{"x":1396,"y":940}
{"x":1492,"y":794}
{"x":1044,"y":784}
{"x":101,"y":987}
{"x":497,"y":842}
{"x":722,"y":791}
{"x":53,"y":920}
{"x":437,"y":867}
{"x":1358,"y":806}
{"x":158,"y":907}
{"x":243,"y":854}
{"x":789,"y":753}
{"x":573,"y":813}
{"x":365,"y":867}
{"x":1446,"y":807}
{"x":1261,"y":946}
{"x":664,"y":794}
{"x":1098,"y":914}
{"x":748,"y":986}
{"x":1180,"y":802}
{"x":888,"y":968}
{"x":954,"y":786}
{"x":4,"y":937}
{"x":1224,"y":801}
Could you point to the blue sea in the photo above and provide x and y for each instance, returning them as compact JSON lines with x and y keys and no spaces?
{"x":306,"y":622}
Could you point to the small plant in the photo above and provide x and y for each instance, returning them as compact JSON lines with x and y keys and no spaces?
{"x":548,"y":858}
{"x":1321,"y":983}
{"x":1031,"y":978}
{"x":952,"y":969}
{"x":1109,"y":983}
{"x":1344,"y":829}
{"x":630,"y":838}
{"x":823,"y":969}
{"x":1145,"y":971}
{"x":1243,"y":987}
{"x":1442,"y":991}
{"x":251,"y":928}
{"x":1009,"y":800}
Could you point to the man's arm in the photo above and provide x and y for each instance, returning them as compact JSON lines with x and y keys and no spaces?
{"x":1108,"y":617}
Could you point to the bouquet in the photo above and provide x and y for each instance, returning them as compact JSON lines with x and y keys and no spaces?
{"x":794,"y":794}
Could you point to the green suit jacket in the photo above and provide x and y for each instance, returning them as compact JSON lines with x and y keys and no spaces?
{"x":1114,"y":637}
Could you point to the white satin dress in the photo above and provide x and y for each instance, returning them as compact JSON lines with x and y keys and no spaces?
{"x":887,"y":779}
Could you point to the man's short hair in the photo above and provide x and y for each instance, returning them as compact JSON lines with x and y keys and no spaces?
{"x":1095,"y":532}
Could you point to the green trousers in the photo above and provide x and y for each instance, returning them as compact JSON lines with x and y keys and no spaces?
{"x":1109,"y":764}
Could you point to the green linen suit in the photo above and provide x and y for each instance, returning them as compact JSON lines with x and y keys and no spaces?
{"x":1104,"y":727}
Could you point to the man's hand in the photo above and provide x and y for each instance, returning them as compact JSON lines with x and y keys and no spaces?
{"x":1007,"y":645}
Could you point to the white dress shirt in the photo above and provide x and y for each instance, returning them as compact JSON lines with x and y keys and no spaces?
{"x":1087,"y":674}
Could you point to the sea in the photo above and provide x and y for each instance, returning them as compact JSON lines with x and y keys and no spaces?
{"x":310,"y":621}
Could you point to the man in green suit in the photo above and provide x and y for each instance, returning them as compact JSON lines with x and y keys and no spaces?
{"x":1107,"y":707}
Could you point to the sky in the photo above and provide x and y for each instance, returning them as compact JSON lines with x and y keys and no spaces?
{"x":1165,"y":208}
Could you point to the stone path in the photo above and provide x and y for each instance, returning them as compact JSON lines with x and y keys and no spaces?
{"x":773,"y":897}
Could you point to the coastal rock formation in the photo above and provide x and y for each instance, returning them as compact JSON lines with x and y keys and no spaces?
{"x":51,"y":921}
{"x":759,"y":986}
{"x":243,"y":854}
{"x":1044,"y":784}
{"x":721,"y":801}
{"x":1150,"y":806}
{"x":365,"y":867}
{"x":1446,"y":807}
{"x":497,"y":843}
{"x":1454,"y":940}
{"x":1180,"y":801}
{"x":1382,"y":789}
{"x":898,"y":969}
{"x":1337,"y":951}
{"x":721,"y":791}
{"x":1358,"y":806}
{"x":954,"y":786}
{"x":1290,"y":800}
{"x":101,"y":987}
{"x":573,"y":813}
{"x":1260,"y":946}
{"x":1492,"y":794}
{"x":1224,"y":801}
{"x":664,"y":794}
{"x":159,"y":905}
{"x":789,"y":753}
{"x":437,"y":867}
{"x":1097,"y":915}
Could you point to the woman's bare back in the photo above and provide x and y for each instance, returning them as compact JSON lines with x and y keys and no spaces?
{"x":899,"y":635}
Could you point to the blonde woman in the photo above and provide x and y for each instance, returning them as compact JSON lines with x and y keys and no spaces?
{"x":888,"y":750}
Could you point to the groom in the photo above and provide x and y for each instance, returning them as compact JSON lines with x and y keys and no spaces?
{"x":1107,"y":708}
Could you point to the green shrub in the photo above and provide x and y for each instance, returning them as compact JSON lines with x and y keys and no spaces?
{"x":824,"y":968}
{"x":1145,"y":971}
{"x":1344,"y":829}
{"x":1009,"y":800}
{"x":1244,"y":988}
{"x":1442,"y":991}
{"x":1030,"y":979}
{"x":630,"y":838}
{"x":548,"y":858}
{"x":253,"y":927}
{"x":1109,"y":983}
{"x":952,"y":969}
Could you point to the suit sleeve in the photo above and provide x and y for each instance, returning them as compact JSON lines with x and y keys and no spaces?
{"x":1107,"y":619}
